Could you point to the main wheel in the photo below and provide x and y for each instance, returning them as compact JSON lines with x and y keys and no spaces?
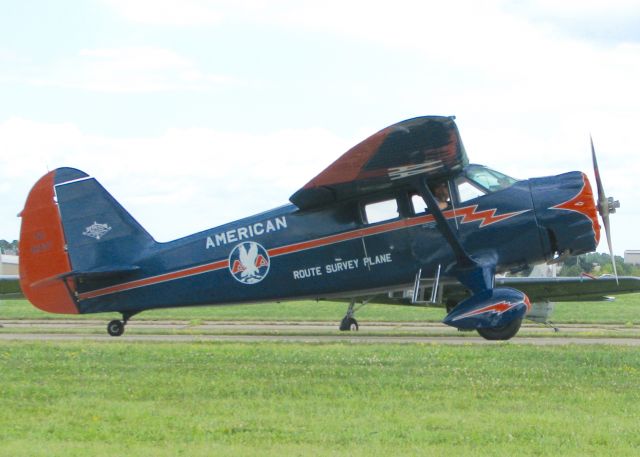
{"x":348,"y":324}
{"x":115,"y":328}
{"x":505,"y":332}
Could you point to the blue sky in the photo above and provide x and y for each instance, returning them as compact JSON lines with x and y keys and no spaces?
{"x":196,"y":112}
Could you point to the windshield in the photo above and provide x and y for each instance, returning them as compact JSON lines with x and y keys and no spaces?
{"x":487,"y":178}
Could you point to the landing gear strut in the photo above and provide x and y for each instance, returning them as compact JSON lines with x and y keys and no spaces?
{"x":116,"y":327}
{"x":348,"y":322}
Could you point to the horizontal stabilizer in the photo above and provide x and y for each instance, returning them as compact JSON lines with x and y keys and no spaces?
{"x":112,"y":271}
{"x":98,"y":273}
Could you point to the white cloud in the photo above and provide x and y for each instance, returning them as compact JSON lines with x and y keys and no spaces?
{"x":187,"y":180}
{"x":490,"y":48}
{"x":11,"y":56}
{"x":482,"y":41}
{"x":493,"y":54}
{"x":592,"y":20}
{"x":167,"y":12}
{"x":527,"y":95}
{"x":182,"y":181}
{"x":134,"y":69}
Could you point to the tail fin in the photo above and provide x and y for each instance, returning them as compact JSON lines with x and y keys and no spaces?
{"x":71,"y":227}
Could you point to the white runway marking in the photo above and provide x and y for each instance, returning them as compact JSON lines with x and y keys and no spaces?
{"x":308,"y":332}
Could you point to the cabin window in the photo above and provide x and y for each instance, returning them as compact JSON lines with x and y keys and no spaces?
{"x":381,"y":211}
{"x":419,"y":206}
{"x":468,"y":191}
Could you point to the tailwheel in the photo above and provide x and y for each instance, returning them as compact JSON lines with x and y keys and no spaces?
{"x":115,"y":327}
{"x":349,"y":324}
{"x":505,"y":332}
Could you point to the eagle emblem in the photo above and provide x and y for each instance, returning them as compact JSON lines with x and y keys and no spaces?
{"x":249,"y":262}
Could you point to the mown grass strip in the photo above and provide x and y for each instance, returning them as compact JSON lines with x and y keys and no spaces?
{"x":317,"y":399}
{"x":444,"y":332}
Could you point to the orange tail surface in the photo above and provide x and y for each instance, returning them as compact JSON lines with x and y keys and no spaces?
{"x":43,"y":259}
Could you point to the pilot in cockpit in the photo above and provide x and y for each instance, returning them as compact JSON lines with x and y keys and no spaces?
{"x":441,"y":192}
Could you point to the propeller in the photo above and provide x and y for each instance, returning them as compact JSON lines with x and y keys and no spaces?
{"x":606,"y":206}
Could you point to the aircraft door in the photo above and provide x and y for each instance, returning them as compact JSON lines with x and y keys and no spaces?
{"x":384,"y":240}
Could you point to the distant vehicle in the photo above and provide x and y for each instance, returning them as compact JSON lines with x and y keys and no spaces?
{"x":400,"y":218}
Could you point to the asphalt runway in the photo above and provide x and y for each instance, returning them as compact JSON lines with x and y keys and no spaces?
{"x":309,"y":332}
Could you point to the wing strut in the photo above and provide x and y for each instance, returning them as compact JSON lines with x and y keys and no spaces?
{"x":462,"y":257}
{"x":476,"y":275}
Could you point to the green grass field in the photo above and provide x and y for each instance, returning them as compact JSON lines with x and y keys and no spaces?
{"x":202,"y":399}
{"x":624,"y":310}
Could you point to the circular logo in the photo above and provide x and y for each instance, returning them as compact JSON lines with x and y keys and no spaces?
{"x":249,"y":262}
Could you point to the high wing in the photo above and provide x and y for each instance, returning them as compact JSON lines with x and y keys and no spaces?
{"x":427,"y":146}
{"x":10,"y":286}
{"x":572,"y":289}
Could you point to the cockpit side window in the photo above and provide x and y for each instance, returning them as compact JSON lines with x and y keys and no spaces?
{"x":467,"y":190}
{"x":442,"y":193}
{"x":488,"y":179}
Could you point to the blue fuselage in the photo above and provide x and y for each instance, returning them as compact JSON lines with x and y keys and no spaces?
{"x":333,"y":251}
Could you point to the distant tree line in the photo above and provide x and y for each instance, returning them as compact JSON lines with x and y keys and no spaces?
{"x":597,"y":264}
{"x":6,"y":246}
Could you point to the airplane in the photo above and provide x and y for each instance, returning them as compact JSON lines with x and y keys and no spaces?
{"x":401,"y":218}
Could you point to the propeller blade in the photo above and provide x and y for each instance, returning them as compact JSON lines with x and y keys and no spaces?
{"x":608,"y":234}
{"x":602,"y":198}
{"x":605,"y":207}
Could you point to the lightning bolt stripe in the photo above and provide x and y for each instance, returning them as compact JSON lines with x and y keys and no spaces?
{"x":497,"y":308}
{"x":487,"y":216}
{"x":469,"y":214}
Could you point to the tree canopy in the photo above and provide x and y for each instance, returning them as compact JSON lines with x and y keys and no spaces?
{"x":598,"y":264}
{"x":6,"y":246}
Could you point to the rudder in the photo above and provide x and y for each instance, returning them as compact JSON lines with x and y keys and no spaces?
{"x":43,"y":259}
